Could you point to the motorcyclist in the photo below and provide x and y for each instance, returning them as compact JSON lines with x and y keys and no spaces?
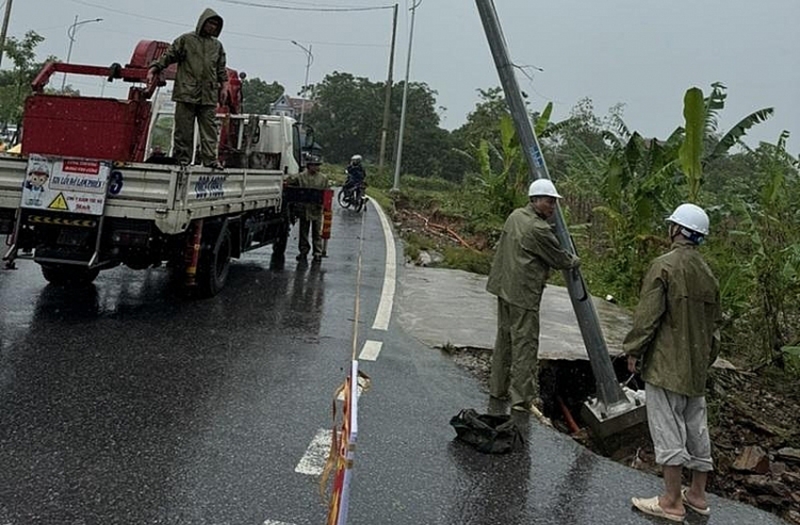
{"x":356,"y":175}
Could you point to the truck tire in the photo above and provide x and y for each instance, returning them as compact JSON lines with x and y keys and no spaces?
{"x":215,"y":265}
{"x":61,"y":274}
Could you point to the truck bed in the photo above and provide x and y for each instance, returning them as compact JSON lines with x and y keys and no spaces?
{"x":167,"y":195}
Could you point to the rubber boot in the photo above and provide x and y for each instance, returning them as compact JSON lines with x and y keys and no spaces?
{"x":522,"y":420}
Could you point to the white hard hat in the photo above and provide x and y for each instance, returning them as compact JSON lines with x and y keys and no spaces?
{"x":356,"y":158}
{"x":691,"y":217}
{"x":542,"y":188}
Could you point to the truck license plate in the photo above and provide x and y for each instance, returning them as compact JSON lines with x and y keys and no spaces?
{"x":72,"y":237}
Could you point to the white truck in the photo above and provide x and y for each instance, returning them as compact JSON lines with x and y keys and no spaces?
{"x":92,"y":190}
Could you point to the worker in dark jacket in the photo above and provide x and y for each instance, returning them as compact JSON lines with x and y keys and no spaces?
{"x":201,"y":83}
{"x":526,"y":252}
{"x":356,"y":174}
{"x":676,"y":336}
{"x":310,"y":214}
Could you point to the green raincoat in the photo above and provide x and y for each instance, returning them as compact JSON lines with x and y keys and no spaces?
{"x":310,"y":215}
{"x":317,"y":181}
{"x":201,"y":64}
{"x":526,"y":252}
{"x":676,"y":323}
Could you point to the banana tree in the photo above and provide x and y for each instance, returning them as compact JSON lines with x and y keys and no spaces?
{"x":701,"y":145}
{"x":768,"y":247}
{"x":502,"y":176}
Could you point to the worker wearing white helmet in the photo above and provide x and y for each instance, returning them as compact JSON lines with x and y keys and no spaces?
{"x":676,"y":336}
{"x":526,"y":252}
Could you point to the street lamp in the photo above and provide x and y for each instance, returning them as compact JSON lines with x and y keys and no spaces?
{"x":309,"y":61}
{"x":396,"y":185}
{"x":71,"y":34}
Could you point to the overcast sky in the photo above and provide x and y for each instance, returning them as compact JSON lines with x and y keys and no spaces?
{"x":642,"y":53}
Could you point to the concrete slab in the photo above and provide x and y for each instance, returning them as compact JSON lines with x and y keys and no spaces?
{"x":441,"y":306}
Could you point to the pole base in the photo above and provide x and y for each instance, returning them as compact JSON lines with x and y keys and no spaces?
{"x":605,"y":420}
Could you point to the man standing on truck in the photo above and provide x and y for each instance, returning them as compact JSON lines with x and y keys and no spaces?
{"x":310,"y":213}
{"x":201,"y":83}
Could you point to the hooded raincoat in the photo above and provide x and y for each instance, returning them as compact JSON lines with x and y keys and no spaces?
{"x":201,"y":64}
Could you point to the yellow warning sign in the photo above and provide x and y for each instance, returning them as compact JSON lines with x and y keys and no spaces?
{"x":59,"y":203}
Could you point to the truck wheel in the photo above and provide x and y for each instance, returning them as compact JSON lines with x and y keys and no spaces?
{"x":215,"y":265}
{"x":61,"y":274}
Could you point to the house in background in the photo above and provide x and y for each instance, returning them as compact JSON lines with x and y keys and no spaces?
{"x":287,"y":106}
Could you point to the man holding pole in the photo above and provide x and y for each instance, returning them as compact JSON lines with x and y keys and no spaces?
{"x":526,"y":252}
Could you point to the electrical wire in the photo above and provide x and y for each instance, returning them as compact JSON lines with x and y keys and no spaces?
{"x":235,"y":33}
{"x":315,"y":9}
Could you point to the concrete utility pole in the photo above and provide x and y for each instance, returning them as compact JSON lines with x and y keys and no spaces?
{"x":388,"y":99}
{"x":71,"y":34}
{"x":614,"y":411}
{"x":399,"y":158}
{"x":309,"y":61}
{"x":3,"y":32}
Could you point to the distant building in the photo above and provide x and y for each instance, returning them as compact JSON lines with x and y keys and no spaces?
{"x":287,"y":106}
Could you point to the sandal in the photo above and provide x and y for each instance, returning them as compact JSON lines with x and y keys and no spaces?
{"x":700,"y":510}
{"x":653,"y":508}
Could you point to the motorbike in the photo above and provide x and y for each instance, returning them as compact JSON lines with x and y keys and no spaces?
{"x":353,"y":196}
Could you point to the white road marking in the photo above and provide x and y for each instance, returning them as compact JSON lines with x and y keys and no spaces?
{"x":273,"y":522}
{"x":384,"y":312}
{"x":313,"y":461}
{"x":370,"y":351}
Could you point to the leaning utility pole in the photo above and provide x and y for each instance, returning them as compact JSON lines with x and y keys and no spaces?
{"x":388,"y":99}
{"x":614,"y":410}
{"x":3,"y":32}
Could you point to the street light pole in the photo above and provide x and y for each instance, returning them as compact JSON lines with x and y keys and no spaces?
{"x":71,"y":34}
{"x":396,"y":185}
{"x":309,"y":61}
{"x":387,"y":103}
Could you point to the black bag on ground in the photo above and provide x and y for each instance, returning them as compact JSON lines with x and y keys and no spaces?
{"x":490,"y":434}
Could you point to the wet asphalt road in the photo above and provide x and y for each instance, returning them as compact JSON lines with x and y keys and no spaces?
{"x":124,"y":404}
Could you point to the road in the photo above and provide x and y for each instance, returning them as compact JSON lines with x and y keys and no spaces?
{"x":123,"y":403}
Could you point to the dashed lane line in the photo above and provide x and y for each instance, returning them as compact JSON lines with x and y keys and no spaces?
{"x":370,"y":351}
{"x":313,"y":461}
